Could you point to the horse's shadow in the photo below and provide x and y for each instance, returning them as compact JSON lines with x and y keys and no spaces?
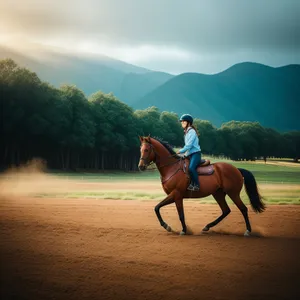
{"x":228,"y":233}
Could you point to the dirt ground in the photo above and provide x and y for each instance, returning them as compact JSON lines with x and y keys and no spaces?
{"x":86,"y":248}
{"x":112,"y":249}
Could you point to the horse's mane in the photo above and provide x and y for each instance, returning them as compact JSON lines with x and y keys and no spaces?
{"x":168,"y":147}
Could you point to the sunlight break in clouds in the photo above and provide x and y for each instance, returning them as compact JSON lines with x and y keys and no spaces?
{"x":170,"y":35}
{"x":135,"y":54}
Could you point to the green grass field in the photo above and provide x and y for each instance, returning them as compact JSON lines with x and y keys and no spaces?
{"x":264,"y":173}
{"x":278,"y":181}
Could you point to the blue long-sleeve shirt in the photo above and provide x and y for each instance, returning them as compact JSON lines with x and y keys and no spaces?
{"x":191,"y":141}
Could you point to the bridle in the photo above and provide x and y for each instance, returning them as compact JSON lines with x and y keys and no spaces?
{"x":146,"y":160}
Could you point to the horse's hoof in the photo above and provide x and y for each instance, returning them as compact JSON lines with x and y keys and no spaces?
{"x":247,"y":233}
{"x":167,"y":227}
{"x":182,"y":233}
{"x":205,"y":229}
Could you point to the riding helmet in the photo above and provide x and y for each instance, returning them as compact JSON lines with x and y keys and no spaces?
{"x":186,"y":117}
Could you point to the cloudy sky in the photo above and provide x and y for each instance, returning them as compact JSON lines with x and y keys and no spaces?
{"x":168,"y":35}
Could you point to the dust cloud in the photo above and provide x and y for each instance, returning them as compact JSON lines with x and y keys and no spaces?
{"x":29,"y":180}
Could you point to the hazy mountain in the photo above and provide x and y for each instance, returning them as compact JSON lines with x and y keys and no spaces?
{"x":134,"y":86}
{"x":91,"y":74}
{"x":246,"y":92}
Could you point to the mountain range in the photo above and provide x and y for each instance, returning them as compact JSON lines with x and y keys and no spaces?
{"x":244,"y":92}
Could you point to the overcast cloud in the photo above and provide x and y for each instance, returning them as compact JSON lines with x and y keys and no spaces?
{"x":168,"y":35}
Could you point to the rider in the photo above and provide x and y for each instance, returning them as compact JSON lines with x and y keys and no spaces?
{"x":191,"y":149}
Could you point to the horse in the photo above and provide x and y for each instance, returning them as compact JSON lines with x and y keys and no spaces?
{"x":218,"y":179}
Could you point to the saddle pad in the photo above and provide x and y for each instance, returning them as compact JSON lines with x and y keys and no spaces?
{"x":206,"y":170}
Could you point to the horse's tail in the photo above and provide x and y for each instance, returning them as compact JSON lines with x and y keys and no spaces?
{"x":252,"y":191}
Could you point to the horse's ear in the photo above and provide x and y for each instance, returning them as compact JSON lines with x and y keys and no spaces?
{"x":141,"y":138}
{"x":148,"y":138}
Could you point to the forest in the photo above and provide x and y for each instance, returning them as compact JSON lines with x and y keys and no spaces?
{"x":71,"y":131}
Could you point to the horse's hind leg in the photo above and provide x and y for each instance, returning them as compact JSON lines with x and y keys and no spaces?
{"x":180,"y":210}
{"x":219,"y":196}
{"x":243,"y":208}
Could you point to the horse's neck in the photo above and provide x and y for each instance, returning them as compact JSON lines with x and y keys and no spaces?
{"x":163,"y":157}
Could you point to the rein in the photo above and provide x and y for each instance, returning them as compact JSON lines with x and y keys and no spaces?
{"x":147,"y":162}
{"x":181,"y":168}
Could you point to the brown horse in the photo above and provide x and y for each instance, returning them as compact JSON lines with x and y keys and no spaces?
{"x":221,"y":179}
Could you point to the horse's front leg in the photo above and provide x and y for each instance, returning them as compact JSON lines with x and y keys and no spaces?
{"x":180,"y":210}
{"x":166,"y":201}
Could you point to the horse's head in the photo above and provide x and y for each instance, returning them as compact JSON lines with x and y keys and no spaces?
{"x":147,"y":153}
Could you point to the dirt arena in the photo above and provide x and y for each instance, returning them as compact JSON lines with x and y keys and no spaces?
{"x":116,"y":249}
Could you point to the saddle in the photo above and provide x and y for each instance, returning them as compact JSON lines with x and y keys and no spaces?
{"x":205,"y":168}
{"x":204,"y":163}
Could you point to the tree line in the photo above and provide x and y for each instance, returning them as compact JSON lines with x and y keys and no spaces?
{"x":71,"y":131}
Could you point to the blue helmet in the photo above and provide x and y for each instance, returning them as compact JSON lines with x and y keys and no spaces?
{"x":186,"y":117}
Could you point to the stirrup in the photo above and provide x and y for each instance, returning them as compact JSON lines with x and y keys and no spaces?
{"x":196,"y":188}
{"x":190,"y":187}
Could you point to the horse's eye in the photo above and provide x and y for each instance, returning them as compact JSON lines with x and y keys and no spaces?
{"x":146,"y":150}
